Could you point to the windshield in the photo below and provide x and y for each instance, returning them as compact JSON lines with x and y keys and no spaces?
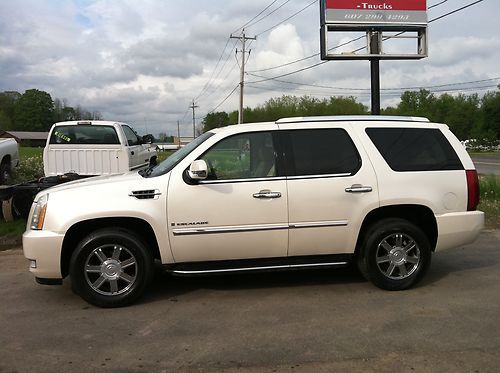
{"x":175,"y":158}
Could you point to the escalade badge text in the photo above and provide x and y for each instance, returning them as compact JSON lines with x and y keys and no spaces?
{"x":189,"y":224}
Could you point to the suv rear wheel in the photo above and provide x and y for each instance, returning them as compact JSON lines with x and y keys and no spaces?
{"x":110,"y":268}
{"x":395,"y":255}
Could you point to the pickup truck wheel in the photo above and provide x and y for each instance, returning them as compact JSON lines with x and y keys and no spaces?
{"x":4,"y":173}
{"x":110,"y":268}
{"x":396,"y":254}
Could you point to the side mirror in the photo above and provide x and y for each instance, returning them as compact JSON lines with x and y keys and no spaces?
{"x":147,"y":139}
{"x":198,"y":170}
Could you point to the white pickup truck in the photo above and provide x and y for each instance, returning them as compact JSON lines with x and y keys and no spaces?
{"x":91,"y":148}
{"x":9,"y":158}
{"x":75,"y":150}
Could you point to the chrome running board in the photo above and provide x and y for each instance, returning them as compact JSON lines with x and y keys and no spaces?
{"x":257,"y":268}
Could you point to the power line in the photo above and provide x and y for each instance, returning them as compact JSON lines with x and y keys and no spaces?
{"x":213,"y":71}
{"x":268,"y":14}
{"x":308,"y":57}
{"x":438,"y":4}
{"x":366,"y":94}
{"x":286,"y":19}
{"x":398,"y":89}
{"x":218,"y":74}
{"x":456,"y":10}
{"x":224,"y":100}
{"x":262,"y":11}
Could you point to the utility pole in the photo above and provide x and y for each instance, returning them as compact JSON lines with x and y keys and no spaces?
{"x":193,"y":106}
{"x":243,"y":38}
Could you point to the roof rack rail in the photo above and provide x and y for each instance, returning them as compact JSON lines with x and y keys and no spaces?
{"x":352,"y":118}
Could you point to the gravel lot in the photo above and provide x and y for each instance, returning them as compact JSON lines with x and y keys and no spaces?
{"x":320,"y":321}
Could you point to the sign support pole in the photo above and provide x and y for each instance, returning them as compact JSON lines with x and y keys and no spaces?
{"x":375,"y":85}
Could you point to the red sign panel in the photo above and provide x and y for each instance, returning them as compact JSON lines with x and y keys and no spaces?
{"x":371,"y":5}
{"x":374,"y":12}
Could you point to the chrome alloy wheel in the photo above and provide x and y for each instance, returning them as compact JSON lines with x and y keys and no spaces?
{"x":110,"y":269}
{"x":397,"y":256}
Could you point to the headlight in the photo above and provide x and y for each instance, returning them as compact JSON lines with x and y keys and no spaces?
{"x":39,"y":213}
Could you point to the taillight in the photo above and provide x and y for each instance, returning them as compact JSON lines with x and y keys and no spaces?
{"x":472,"y":190}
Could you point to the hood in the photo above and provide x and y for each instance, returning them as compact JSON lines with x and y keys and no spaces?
{"x":96,"y":181}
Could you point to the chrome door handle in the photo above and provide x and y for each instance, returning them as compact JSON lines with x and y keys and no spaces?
{"x":266,"y":193}
{"x":358,"y":188}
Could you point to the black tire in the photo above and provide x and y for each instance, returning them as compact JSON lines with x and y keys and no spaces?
{"x":395,"y":255}
{"x":153,"y":162}
{"x":4,"y":173}
{"x":111,"y":268}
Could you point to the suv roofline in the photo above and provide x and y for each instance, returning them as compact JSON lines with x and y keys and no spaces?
{"x":351,"y":118}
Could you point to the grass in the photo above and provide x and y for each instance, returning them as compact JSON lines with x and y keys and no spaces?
{"x":162,"y":155}
{"x":15,"y":228}
{"x":25,"y":152}
{"x":490,"y":200}
{"x":488,"y":154}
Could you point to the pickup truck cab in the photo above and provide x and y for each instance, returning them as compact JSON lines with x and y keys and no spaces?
{"x":382,"y":192}
{"x":9,"y":158}
{"x":90,"y":148}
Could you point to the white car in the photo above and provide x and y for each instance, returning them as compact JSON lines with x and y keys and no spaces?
{"x":9,"y":158}
{"x":384,"y":192}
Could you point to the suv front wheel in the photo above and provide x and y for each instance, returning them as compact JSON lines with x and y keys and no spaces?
{"x":395,"y":255}
{"x":110,"y":268}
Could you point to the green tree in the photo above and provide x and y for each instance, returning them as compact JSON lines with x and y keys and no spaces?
{"x":34,"y":111}
{"x":490,"y":119}
{"x":215,"y":120}
{"x":419,"y":103}
{"x":8,"y":101}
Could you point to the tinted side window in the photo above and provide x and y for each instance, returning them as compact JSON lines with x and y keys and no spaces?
{"x":243,"y":156}
{"x":415,"y":149}
{"x":84,"y":134}
{"x":323,"y":152}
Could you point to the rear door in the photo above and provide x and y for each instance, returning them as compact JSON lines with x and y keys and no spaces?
{"x":331,"y":186}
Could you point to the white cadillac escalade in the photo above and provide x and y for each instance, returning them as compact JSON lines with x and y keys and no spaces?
{"x":384,"y":192}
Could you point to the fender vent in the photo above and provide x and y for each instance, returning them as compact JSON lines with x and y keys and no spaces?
{"x":146,"y":194}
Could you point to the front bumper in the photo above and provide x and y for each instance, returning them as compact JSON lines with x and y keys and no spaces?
{"x":459,"y":228}
{"x":43,"y":249}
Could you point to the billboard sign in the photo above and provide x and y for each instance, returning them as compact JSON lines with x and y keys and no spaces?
{"x":374,"y":12}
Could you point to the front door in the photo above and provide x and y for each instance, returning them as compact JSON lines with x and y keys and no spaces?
{"x":134,"y":148}
{"x":239,"y":212}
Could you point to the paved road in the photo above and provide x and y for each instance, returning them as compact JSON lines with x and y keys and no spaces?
{"x":320,"y":321}
{"x":487,"y":165}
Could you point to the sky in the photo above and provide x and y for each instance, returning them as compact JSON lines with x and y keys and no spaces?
{"x":144,"y":62}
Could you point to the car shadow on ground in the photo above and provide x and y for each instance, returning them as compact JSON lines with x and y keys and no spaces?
{"x":167,"y":286}
{"x":460,"y":259}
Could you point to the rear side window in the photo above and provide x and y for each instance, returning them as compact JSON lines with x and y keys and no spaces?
{"x":415,"y":149}
{"x":323,"y":152}
{"x":84,"y":134}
